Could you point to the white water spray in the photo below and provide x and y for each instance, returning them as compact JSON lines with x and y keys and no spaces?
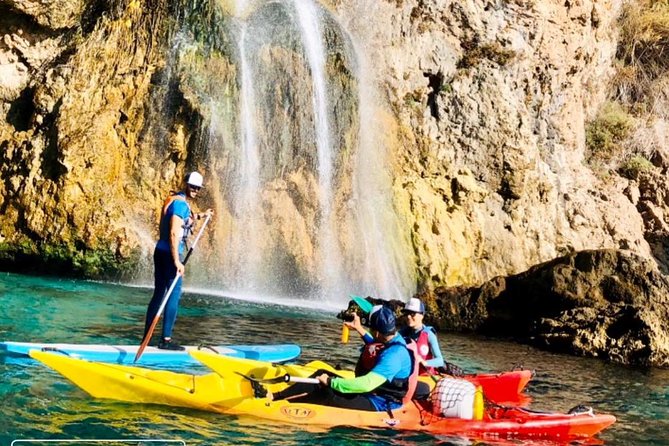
{"x":285,"y":115}
{"x":312,"y":39}
{"x":247,"y":196}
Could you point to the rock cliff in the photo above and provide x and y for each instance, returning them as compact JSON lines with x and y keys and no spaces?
{"x":492,"y":100}
{"x":607,"y":304}
{"x":506,"y":145}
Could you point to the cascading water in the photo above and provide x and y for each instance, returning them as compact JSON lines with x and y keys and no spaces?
{"x":312,"y":38}
{"x":305,"y":205}
{"x":245,"y":198}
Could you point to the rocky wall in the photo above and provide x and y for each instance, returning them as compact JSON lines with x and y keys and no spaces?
{"x":484,"y":105}
{"x":492,"y":99}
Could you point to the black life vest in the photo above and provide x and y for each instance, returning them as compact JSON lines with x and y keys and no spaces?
{"x":399,"y":390}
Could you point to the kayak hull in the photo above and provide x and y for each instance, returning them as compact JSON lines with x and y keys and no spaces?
{"x":135,"y":384}
{"x":227,"y":391}
{"x":125,"y":354}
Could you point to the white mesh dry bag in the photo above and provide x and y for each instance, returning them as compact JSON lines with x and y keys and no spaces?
{"x":454,"y":398}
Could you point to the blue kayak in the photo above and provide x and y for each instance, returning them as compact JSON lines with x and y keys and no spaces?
{"x":125,"y":354}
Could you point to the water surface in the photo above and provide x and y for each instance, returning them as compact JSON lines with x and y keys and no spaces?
{"x":39,"y":403}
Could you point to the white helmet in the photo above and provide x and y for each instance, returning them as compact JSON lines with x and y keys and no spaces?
{"x":194,"y":179}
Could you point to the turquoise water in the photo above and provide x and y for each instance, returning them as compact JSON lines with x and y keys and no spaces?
{"x":39,"y":403}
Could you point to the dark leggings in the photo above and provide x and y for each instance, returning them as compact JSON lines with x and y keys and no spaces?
{"x":164,"y":274}
{"x":324,"y":396}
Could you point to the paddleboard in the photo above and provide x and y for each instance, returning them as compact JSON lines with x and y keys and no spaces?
{"x":125,"y":354}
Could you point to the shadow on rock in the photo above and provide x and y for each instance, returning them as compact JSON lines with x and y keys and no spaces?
{"x":608,"y":304}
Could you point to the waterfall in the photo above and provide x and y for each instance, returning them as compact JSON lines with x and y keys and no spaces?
{"x":246,"y":196}
{"x":385,"y":252}
{"x":304,"y":205}
{"x":312,"y":39}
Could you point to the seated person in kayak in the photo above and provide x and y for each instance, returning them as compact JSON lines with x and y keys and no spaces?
{"x":422,"y":390}
{"x":425,"y":337}
{"x":384,"y":375}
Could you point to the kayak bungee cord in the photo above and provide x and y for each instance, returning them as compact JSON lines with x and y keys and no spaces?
{"x":208,"y":347}
{"x":56,"y":350}
{"x":133,"y":376}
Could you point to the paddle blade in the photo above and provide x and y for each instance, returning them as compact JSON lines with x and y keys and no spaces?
{"x":147,"y":337}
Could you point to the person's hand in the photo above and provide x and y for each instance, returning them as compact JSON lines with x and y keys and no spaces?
{"x":323,"y":378}
{"x":208,"y":213}
{"x":180,"y":268}
{"x":355,"y":324}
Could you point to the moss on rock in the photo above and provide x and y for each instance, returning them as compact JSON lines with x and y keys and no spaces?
{"x":27,"y":256}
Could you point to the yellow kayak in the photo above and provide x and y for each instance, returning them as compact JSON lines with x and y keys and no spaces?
{"x":136,"y":384}
{"x":142,"y":385}
{"x":229,"y":390}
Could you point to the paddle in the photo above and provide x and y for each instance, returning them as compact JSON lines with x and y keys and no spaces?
{"x":281,"y":379}
{"x":149,"y":333}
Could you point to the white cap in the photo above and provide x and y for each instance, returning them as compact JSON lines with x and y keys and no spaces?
{"x":415,"y":305}
{"x":194,"y":179}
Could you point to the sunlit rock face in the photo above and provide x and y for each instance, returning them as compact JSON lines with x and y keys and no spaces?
{"x":74,"y":185}
{"x":348,"y":146}
{"x":491,"y":100}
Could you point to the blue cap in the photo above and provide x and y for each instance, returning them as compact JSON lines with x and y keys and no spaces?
{"x":383,"y":320}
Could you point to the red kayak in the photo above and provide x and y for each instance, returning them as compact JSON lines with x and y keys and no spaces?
{"x":503,"y":386}
{"x":514,"y":422}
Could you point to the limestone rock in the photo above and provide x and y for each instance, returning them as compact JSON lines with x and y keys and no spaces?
{"x":608,"y":304}
{"x":480,"y":106}
{"x":52,"y":14}
{"x":502,"y":89}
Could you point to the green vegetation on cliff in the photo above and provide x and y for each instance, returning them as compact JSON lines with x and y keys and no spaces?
{"x":623,"y":135}
{"x":66,"y":260}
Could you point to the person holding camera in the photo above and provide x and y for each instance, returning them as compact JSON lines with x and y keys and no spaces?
{"x":383,"y":377}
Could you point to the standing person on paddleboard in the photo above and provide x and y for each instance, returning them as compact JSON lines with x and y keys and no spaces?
{"x":424,"y":336}
{"x":176,"y":224}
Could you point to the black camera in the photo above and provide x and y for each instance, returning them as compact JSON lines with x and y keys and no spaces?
{"x":347,"y":315}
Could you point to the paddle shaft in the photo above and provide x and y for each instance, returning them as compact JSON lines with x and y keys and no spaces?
{"x":286,"y":379}
{"x":281,"y":379}
{"x":149,"y":333}
{"x":297,"y":379}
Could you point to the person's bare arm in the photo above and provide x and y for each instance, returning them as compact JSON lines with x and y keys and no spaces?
{"x":176,"y":232}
